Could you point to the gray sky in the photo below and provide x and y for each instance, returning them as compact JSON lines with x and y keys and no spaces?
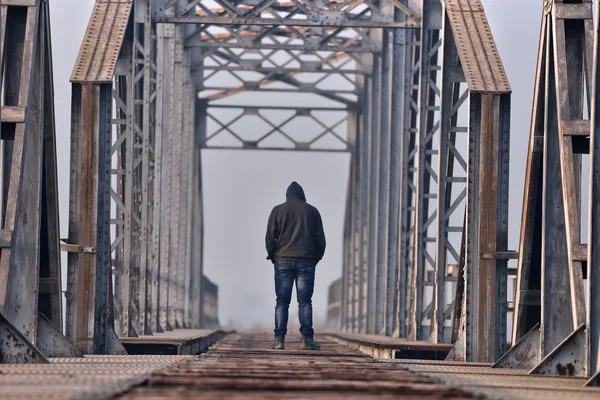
{"x":240,"y":188}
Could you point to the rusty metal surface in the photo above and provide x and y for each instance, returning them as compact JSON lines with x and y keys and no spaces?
{"x":476,"y":47}
{"x":101,"y":45}
{"x":92,"y":377}
{"x":501,"y":383}
{"x":179,"y":336}
{"x":388,"y":342}
{"x":448,"y":363}
{"x":241,"y":367}
{"x":459,"y":369}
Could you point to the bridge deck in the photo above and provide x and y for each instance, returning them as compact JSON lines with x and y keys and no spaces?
{"x":175,"y":342}
{"x":240,"y":367}
{"x":102,"y":377}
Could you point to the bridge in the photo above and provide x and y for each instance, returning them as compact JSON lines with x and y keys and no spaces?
{"x":414,"y":91}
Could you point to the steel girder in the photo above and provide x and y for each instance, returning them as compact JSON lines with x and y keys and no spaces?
{"x":417,"y":187}
{"x":551,"y":314}
{"x":147,"y":219}
{"x":592,"y":343}
{"x":30,"y":279}
{"x":358,"y":14}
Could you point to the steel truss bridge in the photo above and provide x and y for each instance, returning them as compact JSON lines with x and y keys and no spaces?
{"x":413,"y":90}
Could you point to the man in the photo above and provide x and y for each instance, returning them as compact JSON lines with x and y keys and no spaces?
{"x":295,"y":243}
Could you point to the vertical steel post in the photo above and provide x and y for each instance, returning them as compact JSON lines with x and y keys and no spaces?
{"x":427,"y":128}
{"x":485,"y":322}
{"x":188,"y":195}
{"x":361,"y":326}
{"x":198,"y":253}
{"x":103,"y":288}
{"x":166,"y":54}
{"x":23,"y":212}
{"x":383,"y":176}
{"x":176,"y":265}
{"x":407,"y":183}
{"x":82,"y":216}
{"x":593,"y":267}
{"x":555,"y":290}
{"x":443,"y":187}
{"x":373,"y":191}
{"x":451,"y":184}
{"x":155,"y":129}
{"x":50,"y":301}
{"x":472,"y":229}
{"x":399,"y":95}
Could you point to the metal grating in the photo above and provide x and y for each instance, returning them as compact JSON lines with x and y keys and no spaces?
{"x":102,"y":42}
{"x":496,"y":383}
{"x":91,"y":377}
{"x":176,"y":336}
{"x":476,"y":47}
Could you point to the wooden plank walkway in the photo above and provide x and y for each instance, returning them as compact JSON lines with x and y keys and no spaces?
{"x":241,"y":367}
{"x":175,"y":342}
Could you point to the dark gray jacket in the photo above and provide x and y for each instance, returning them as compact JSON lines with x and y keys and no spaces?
{"x":295,"y":229}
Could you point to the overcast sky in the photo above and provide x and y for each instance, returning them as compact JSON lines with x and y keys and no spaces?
{"x":240,"y":188}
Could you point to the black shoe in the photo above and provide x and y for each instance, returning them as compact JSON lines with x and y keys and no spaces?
{"x":309,"y":344}
{"x":277,"y":344}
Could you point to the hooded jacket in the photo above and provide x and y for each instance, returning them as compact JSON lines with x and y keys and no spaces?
{"x":295,"y":229}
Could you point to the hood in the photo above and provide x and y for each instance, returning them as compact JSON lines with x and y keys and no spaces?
{"x":295,"y":192}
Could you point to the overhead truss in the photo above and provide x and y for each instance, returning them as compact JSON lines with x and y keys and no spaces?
{"x":361,"y":14}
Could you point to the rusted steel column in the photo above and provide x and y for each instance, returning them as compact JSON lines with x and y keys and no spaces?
{"x":350,"y":231}
{"x":197,"y":217}
{"x":152,"y":97}
{"x":104,"y":338}
{"x":593,"y":266}
{"x":361,"y":279}
{"x":176,"y":257}
{"x":550,"y":274}
{"x":19,"y":261}
{"x":82,"y":215}
{"x":383,"y":199}
{"x":407,"y":182}
{"x":399,"y":92}
{"x":50,"y":296}
{"x":373,"y":194}
{"x":187,"y":196}
{"x":425,"y":211}
{"x":90,"y":315}
{"x":485,"y":277}
{"x":165,"y":58}
{"x":527,"y":313}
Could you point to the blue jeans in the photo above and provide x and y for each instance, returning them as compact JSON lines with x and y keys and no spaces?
{"x":303,"y":273}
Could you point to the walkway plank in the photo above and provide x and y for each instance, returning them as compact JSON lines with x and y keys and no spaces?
{"x":241,"y":367}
